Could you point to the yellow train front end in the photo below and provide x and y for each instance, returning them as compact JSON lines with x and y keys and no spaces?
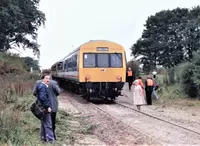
{"x":102,"y":68}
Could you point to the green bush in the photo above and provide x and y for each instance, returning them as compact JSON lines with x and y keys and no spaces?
{"x":188,"y":80}
{"x":172,"y":76}
{"x":188,"y":76}
{"x":17,"y":124}
{"x":166,"y":80}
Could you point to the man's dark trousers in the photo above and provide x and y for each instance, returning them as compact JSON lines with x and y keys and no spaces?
{"x":53,"y":117}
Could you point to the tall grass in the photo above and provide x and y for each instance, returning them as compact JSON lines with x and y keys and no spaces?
{"x":172,"y":94}
{"x":19,"y":127}
{"x":16,"y":122}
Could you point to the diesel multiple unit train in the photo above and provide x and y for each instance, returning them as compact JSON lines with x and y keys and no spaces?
{"x":95,"y":69}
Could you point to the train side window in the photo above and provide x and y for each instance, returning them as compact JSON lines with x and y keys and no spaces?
{"x":60,"y":66}
{"x":75,"y":63}
{"x":89,"y":60}
{"x":65,"y":65}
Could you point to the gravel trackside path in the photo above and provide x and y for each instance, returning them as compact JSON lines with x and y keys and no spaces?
{"x":109,"y":129}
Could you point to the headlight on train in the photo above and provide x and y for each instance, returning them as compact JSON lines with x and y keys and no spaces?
{"x":87,"y":78}
{"x":119,"y":78}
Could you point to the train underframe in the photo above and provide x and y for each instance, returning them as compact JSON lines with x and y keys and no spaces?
{"x":89,"y":90}
{"x":107,"y":90}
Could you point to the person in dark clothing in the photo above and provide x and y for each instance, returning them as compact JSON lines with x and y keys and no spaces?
{"x":54,"y":91}
{"x":46,"y":131}
{"x":130,"y":78}
{"x":149,"y":85}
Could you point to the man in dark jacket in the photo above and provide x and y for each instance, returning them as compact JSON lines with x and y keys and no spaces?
{"x":46,"y":131}
{"x":53,"y":91}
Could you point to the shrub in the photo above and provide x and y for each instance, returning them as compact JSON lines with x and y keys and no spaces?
{"x":172,"y":75}
{"x":188,"y":80}
{"x":15,"y":100}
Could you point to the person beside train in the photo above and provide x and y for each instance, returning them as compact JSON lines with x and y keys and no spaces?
{"x":53,"y":91}
{"x":46,"y":131}
{"x":130,"y":78}
{"x":149,"y":86}
{"x":138,"y":94}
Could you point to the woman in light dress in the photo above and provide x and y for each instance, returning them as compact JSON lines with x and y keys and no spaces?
{"x":138,"y":95}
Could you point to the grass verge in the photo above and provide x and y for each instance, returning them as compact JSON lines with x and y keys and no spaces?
{"x":19,"y":127}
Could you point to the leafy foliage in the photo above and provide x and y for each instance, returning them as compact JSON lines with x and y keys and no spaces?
{"x":11,"y":63}
{"x":134,"y":65}
{"x":170,"y":37}
{"x":189,"y":76}
{"x":20,"y":20}
{"x":188,"y":80}
{"x":30,"y":62}
{"x":15,"y":101}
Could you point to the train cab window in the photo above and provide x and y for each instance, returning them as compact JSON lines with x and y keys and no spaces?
{"x":102,"y":60}
{"x":89,"y":60}
{"x":116,"y":60}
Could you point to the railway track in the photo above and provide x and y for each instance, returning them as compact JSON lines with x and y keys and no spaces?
{"x":157,"y":139}
{"x":173,"y":129}
{"x":143,"y":113}
{"x":174,"y":124}
{"x":126,"y":125}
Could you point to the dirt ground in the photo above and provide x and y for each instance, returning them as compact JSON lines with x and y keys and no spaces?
{"x":65,"y":105}
{"x":187,"y":116}
{"x":111,"y":131}
{"x":108,"y":131}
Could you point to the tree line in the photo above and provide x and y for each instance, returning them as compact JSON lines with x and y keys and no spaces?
{"x":19,"y":23}
{"x":170,"y":37}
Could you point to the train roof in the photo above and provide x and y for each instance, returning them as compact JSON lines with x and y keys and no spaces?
{"x":99,"y":41}
{"x":85,"y":44}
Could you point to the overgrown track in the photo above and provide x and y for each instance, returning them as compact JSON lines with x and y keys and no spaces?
{"x":158,"y":118}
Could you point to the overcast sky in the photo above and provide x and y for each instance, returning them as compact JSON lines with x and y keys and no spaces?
{"x":71,"y":23}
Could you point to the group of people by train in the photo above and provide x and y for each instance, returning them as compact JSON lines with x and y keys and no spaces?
{"x":142,"y":91}
{"x":46,"y":90}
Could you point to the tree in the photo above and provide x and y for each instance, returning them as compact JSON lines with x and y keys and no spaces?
{"x":170,"y":37}
{"x":134,"y":65}
{"x":31,"y":63}
{"x":19,"y":22}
